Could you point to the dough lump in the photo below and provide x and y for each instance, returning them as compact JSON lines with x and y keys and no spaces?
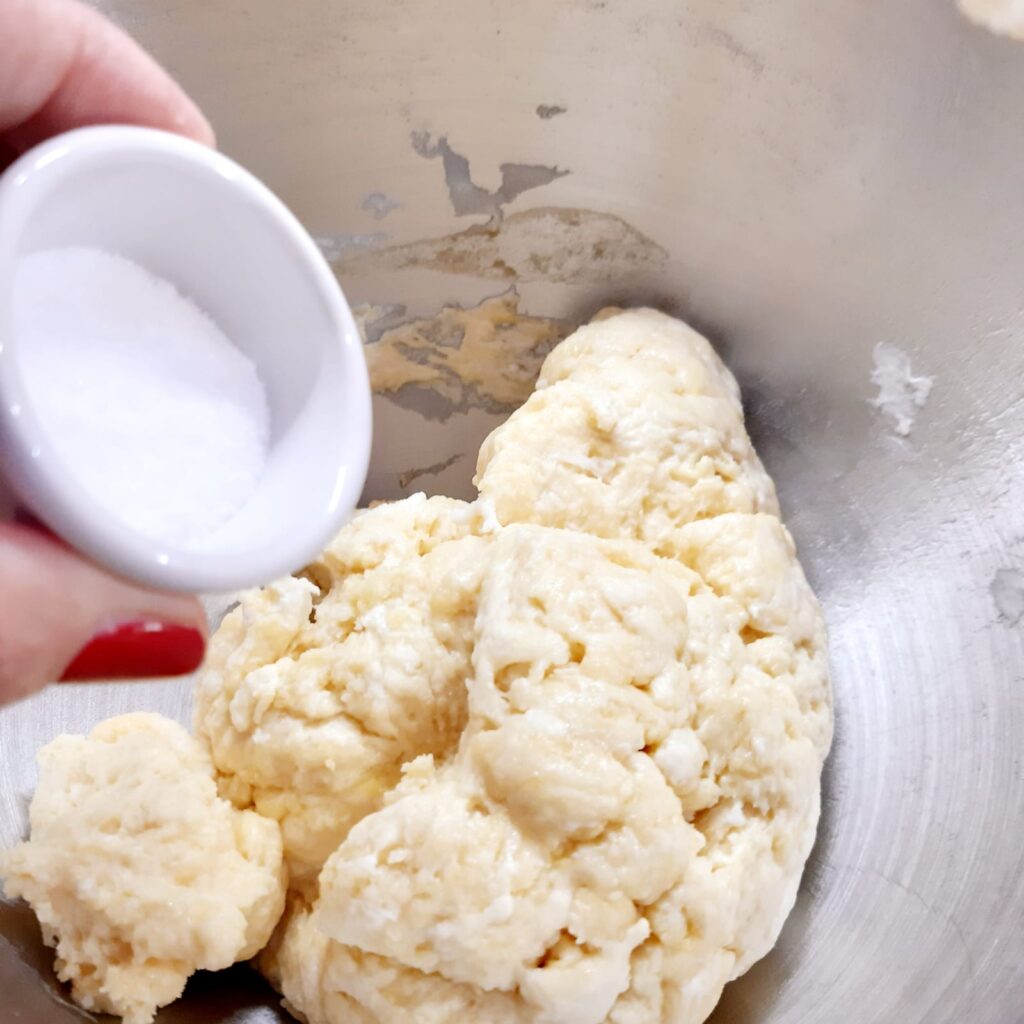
{"x":635,"y":429}
{"x":549,"y":757}
{"x":620,"y":826}
{"x":138,"y":872}
{"x":315,"y":691}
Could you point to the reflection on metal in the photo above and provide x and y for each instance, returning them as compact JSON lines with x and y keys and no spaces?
{"x":1003,"y":17}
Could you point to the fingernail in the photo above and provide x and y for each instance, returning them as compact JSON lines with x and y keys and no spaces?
{"x":138,"y":650}
{"x":25,"y":518}
{"x":28,"y":520}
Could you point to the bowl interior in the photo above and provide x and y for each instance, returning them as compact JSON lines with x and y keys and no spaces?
{"x":804,"y":181}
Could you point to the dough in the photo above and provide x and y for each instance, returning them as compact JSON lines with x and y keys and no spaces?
{"x":635,"y":429}
{"x":622,"y":824}
{"x":551,"y":757}
{"x":139,"y":874}
{"x":314,"y":694}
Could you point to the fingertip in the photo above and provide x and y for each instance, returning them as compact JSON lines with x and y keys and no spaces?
{"x":61,"y":616}
{"x":84,"y":71}
{"x":195,"y":126}
{"x":138,"y":650}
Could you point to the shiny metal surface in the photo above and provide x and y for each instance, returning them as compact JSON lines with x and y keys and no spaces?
{"x":803,"y":181}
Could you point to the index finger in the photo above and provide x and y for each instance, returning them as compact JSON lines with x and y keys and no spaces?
{"x":63,"y":66}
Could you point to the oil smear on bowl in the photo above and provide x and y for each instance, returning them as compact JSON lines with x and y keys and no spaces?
{"x":143,"y":398}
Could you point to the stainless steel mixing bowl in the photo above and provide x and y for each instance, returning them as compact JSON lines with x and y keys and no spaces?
{"x":803,"y":181}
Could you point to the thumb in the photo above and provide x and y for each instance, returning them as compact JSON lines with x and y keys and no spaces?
{"x":62,"y":617}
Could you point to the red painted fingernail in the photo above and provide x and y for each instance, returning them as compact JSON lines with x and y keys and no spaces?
{"x":138,"y":650}
{"x":27,"y":519}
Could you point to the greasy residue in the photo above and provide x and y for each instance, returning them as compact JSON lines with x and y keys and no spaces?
{"x":407,"y":476}
{"x":469,"y":198}
{"x":487,"y":356}
{"x":901,"y":391}
{"x":379,"y":204}
{"x":335,"y":247}
{"x":548,"y":243}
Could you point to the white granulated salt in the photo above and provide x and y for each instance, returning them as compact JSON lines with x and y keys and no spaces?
{"x":145,"y":401}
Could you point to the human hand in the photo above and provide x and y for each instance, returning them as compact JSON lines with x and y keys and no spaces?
{"x":63,"y":66}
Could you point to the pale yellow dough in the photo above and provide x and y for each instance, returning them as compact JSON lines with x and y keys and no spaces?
{"x":139,"y":874}
{"x":635,"y":429}
{"x":618,"y":825}
{"x":309,"y":719}
{"x":551,"y":757}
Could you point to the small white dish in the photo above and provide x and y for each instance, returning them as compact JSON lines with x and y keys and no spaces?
{"x":194,"y":217}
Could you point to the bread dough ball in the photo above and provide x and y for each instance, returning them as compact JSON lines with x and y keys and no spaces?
{"x":324,"y":982}
{"x":316,"y":691}
{"x":552,"y":757}
{"x":640,"y":348}
{"x":620,"y":826}
{"x":138,"y":872}
{"x":635,"y":429}
{"x":624,"y":823}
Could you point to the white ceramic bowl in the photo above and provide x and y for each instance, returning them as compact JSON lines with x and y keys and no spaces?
{"x":194,"y":217}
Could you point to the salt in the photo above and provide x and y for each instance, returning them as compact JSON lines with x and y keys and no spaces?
{"x":143,"y":398}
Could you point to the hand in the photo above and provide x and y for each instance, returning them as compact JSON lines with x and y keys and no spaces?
{"x":63,"y":66}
